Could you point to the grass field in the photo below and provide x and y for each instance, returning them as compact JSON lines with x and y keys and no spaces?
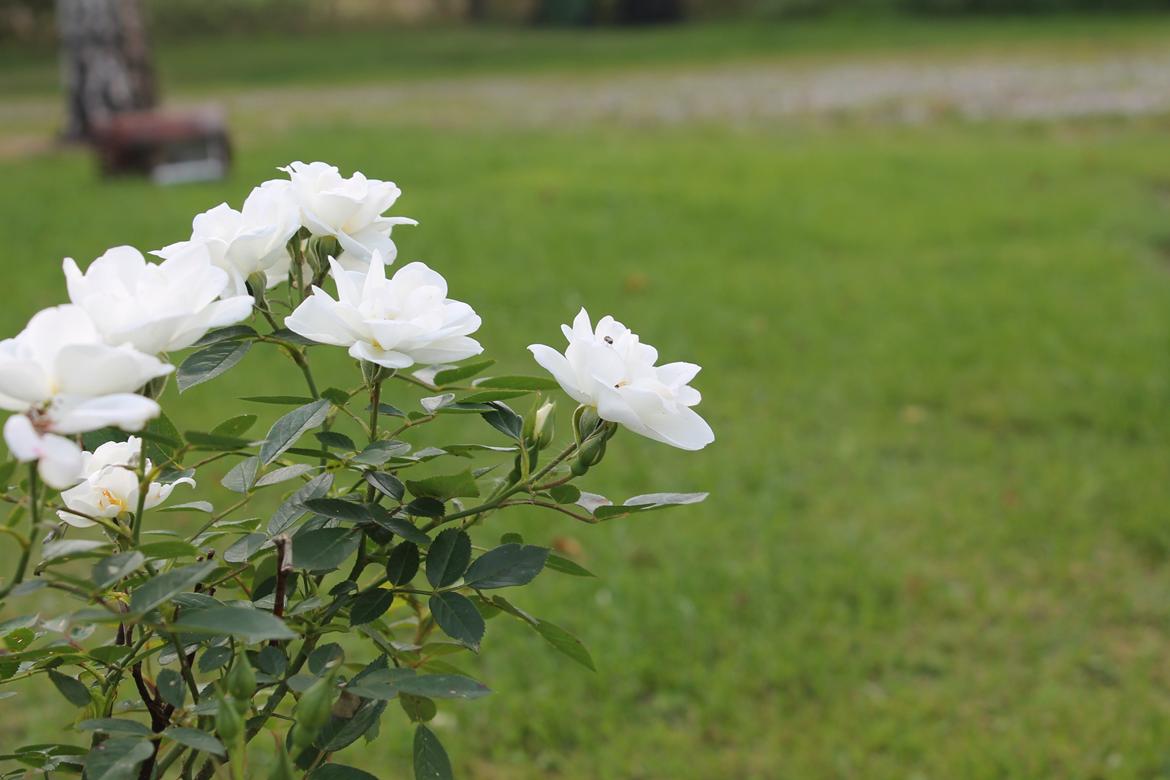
{"x":936,"y":362}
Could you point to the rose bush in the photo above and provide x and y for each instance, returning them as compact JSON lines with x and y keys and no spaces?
{"x":191,"y":633}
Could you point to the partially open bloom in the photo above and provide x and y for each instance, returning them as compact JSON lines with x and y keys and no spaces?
{"x":610,"y":369}
{"x":348,"y":209}
{"x":251,"y":240}
{"x":154,"y":307}
{"x":109,"y":486}
{"x":394,"y":322}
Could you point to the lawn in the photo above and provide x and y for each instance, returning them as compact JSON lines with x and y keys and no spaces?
{"x":935,"y":358}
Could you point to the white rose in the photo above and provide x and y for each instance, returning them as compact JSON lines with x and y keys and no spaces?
{"x":154,"y":307}
{"x":64,"y":379}
{"x":252,"y":240}
{"x":393,"y":322}
{"x":58,"y":459}
{"x":109,"y":486}
{"x":610,"y":369}
{"x":348,"y":209}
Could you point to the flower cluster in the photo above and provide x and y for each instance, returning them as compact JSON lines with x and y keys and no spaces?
{"x":304,"y":261}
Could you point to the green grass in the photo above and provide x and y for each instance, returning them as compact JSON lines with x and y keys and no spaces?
{"x":936,"y":363}
{"x":200,"y":64}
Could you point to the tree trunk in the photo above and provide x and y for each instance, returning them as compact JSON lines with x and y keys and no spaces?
{"x":105,"y":62}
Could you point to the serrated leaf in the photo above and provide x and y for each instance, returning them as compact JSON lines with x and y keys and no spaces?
{"x":565,"y":642}
{"x":338,"y":508}
{"x":458,"y":617}
{"x":386,"y":484}
{"x":425,"y":507}
{"x":442,"y":686}
{"x":444,"y":487}
{"x":163,"y":587}
{"x":378,"y":452}
{"x":336,"y":440}
{"x":485,"y":396}
{"x":215,"y":442}
{"x":245,"y":547}
{"x":235,"y":426}
{"x":283,"y":474}
{"x":117,"y":759}
{"x":402,"y":564}
{"x":565,"y":494}
{"x":324,"y":549}
{"x":210,"y":362}
{"x":293,"y":507}
{"x":229,"y":333}
{"x":449,"y":376}
{"x":278,"y":400}
{"x":196,"y":740}
{"x":566,"y":566}
{"x":448,"y":557}
{"x":430,"y":759}
{"x":170,"y":687}
{"x":285,"y":431}
{"x":370,"y":606}
{"x":71,"y":688}
{"x":114,"y":726}
{"x":382,"y":516}
{"x":504,"y":420}
{"x":214,"y":658}
{"x":245,"y":623}
{"x":506,"y":566}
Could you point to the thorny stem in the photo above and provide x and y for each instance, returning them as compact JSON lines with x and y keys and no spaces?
{"x":283,"y":567}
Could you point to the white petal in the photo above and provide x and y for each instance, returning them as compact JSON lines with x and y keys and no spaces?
{"x":389,"y":358}
{"x":317,"y":319}
{"x":125,"y":410}
{"x":60,"y":463}
{"x":22,"y":439}
{"x":556,"y":364}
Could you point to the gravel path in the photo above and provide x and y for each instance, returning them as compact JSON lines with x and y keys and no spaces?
{"x":907,"y":89}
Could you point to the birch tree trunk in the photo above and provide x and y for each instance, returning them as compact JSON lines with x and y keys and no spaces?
{"x":106,"y":64}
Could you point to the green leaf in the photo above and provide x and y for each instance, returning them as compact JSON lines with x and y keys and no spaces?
{"x":71,"y":688}
{"x":283,"y":474}
{"x":382,"y":516}
{"x":378,"y":452}
{"x":170,"y":687}
{"x":245,"y":547}
{"x":402,"y":564}
{"x":336,"y":440}
{"x":339,"y":733}
{"x":324,"y":549}
{"x":338,"y":508}
{"x":565,"y":494}
{"x":196,"y":740}
{"x":114,"y":726}
{"x":241,"y":478}
{"x":370,"y":606}
{"x":117,"y":759}
{"x":386,"y":484}
{"x":285,"y":431}
{"x":506,"y":566}
{"x":444,"y":487}
{"x":458,"y":617}
{"x":214,"y":658}
{"x":425,"y":507}
{"x":504,"y":420}
{"x":245,"y":623}
{"x":169,"y":550}
{"x":647,"y":503}
{"x":449,"y":376}
{"x":278,"y":400}
{"x":567,"y":566}
{"x":162,"y":439}
{"x":518,"y":383}
{"x":339,"y":772}
{"x":430,"y":759}
{"x":448,"y":557}
{"x":294,"y":508}
{"x":159,"y":589}
{"x":214,"y":442}
{"x":210,"y":362}
{"x":565,"y":642}
{"x":225,"y":334}
{"x":442,"y":686}
{"x":235,"y":426}
{"x":68,"y":549}
{"x":484,"y":396}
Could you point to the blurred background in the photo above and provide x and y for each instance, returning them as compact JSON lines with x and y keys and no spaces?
{"x":920,"y":247}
